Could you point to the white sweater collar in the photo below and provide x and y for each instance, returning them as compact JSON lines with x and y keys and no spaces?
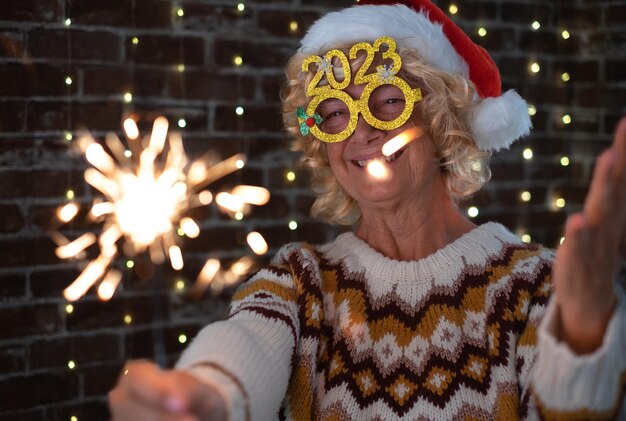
{"x":473,"y":249}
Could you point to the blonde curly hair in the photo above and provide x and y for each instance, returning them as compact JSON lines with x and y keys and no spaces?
{"x":447,"y":98}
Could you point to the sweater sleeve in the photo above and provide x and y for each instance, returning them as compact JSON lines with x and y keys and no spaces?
{"x":568,"y":386}
{"x":249,"y":356}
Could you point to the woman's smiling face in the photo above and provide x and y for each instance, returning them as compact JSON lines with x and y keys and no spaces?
{"x":406,"y":173}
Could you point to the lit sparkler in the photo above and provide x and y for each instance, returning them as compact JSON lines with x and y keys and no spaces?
{"x":148,"y":189}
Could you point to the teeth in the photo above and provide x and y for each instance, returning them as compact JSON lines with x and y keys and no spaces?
{"x":390,"y":157}
{"x":363,"y":163}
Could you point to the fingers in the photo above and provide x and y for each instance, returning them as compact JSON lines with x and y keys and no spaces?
{"x":600,"y":193}
{"x":124,"y":409}
{"x":147,"y":383}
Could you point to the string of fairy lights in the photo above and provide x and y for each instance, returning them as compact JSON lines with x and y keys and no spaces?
{"x":557,"y":201}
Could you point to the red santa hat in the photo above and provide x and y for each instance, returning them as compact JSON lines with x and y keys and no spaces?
{"x":496,"y":120}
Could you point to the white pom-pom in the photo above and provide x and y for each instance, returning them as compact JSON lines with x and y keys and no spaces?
{"x":496,"y":123}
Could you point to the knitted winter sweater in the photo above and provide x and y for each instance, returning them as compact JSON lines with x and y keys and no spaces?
{"x":341,"y":332}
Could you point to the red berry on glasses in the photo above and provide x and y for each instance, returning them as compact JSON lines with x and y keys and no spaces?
{"x":310,"y":122}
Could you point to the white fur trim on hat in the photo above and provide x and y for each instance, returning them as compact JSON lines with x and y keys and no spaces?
{"x":495,"y":123}
{"x":368,"y":23}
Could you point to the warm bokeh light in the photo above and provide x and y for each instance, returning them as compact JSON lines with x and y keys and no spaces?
{"x":472,"y":211}
{"x":525,"y":196}
{"x":564,"y":161}
{"x":377,"y":169}
{"x":189,"y":227}
{"x":535,"y":68}
{"x":109,"y":284}
{"x":394,"y":145}
{"x":67,"y":212}
{"x":130,"y":128}
{"x":252,"y":194}
{"x":257,"y":243}
{"x":527,"y":153}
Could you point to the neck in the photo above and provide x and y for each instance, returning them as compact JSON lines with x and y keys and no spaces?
{"x":415,"y":230}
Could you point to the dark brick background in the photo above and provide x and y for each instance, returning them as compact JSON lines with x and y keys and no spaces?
{"x":37,"y":110}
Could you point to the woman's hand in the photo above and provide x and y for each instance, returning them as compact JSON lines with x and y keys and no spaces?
{"x":587,"y":262}
{"x":147,"y":393}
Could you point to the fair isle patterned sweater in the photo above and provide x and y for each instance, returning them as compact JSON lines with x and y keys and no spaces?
{"x":341,"y":332}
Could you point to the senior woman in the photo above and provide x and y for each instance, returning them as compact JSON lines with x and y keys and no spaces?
{"x":418,"y":313}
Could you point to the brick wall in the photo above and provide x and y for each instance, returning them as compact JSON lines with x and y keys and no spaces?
{"x":97,"y":50}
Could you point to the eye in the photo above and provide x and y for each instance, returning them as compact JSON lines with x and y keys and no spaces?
{"x":333,"y":114}
{"x":393,"y":100}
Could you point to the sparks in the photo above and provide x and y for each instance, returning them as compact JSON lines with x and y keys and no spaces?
{"x":146,"y":197}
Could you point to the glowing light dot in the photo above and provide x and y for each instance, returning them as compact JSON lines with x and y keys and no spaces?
{"x":561,"y":240}
{"x":73,"y":418}
{"x":526,"y":238}
{"x":525,"y":196}
{"x":69,"y":194}
{"x":68,"y":22}
{"x":128,"y":97}
{"x":528,"y":153}
{"x":128,"y":319}
{"x":237,"y":60}
{"x":180,"y":68}
{"x":565,"y":34}
{"x":293,"y":26}
{"x":257,"y":243}
{"x":182,"y":123}
{"x":180,"y":232}
{"x":67,"y":212}
{"x":69,"y":309}
{"x":566,"y":119}
{"x":535,"y":25}
{"x":135,"y":41}
{"x":205,"y":197}
{"x":565,"y":77}
{"x":238,"y":216}
{"x":293,"y":225}
{"x":239,"y":163}
{"x":560,"y":202}
{"x":130,"y":264}
{"x":532,"y":110}
{"x":239,"y":110}
{"x":71,"y":364}
{"x":564,"y":161}
{"x":180,"y":12}
{"x":180,"y":285}
{"x":68,"y":136}
{"x":535,"y":68}
{"x":68,"y":81}
{"x":290,"y":176}
{"x":128,"y":153}
{"x":472,"y":211}
{"x":482,"y":32}
{"x":182,"y":338}
{"x":453,"y":9}
{"x":241,"y":7}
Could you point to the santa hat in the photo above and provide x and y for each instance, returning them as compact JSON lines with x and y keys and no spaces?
{"x":496,"y":120}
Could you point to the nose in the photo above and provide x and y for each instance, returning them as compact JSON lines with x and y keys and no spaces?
{"x":364,"y":133}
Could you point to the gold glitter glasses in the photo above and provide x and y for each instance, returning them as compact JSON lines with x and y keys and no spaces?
{"x":386,"y":103}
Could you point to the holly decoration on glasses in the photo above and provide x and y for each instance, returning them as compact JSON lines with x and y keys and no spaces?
{"x":306,"y":122}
